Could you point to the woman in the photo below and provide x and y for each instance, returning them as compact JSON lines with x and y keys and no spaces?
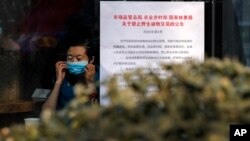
{"x":78,"y":68}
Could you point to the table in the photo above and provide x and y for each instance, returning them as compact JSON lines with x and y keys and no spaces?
{"x":19,"y":106}
{"x":14,"y":112}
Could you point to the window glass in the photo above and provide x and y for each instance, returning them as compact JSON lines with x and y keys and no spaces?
{"x":242,"y":10}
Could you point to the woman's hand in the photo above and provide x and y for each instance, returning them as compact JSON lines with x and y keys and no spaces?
{"x":60,"y":71}
{"x":90,"y":71}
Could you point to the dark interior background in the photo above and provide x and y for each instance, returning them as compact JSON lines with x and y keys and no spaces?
{"x":32,"y":35}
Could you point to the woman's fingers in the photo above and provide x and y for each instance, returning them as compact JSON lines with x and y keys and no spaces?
{"x":90,"y":72}
{"x":61,"y":72}
{"x":58,"y":63}
{"x":62,"y":66}
{"x":90,"y":68}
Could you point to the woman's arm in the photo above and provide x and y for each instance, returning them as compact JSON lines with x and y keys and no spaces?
{"x":51,"y":102}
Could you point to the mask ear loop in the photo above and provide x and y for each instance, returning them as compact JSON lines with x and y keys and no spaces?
{"x":92,"y":61}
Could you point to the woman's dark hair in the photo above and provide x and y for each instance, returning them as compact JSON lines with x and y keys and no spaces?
{"x":65,"y":45}
{"x":78,"y":32}
{"x":85,"y":44}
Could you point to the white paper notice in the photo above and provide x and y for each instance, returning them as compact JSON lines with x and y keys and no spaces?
{"x":143,"y":34}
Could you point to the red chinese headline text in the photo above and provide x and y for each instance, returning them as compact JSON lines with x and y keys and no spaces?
{"x":153,"y":20}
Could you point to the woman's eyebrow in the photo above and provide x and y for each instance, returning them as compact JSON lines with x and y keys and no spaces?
{"x":79,"y":55}
{"x":74,"y":55}
{"x":71,"y":55}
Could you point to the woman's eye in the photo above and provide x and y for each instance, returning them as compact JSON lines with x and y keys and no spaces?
{"x":69,"y":59}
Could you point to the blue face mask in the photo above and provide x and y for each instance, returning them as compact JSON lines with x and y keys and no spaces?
{"x":76,"y":67}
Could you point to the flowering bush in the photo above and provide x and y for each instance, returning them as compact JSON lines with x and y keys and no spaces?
{"x":195,"y":102}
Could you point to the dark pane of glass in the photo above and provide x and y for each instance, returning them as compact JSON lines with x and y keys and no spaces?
{"x":242,"y":11}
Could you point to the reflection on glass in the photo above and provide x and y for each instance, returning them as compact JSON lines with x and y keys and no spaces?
{"x":242,"y":11}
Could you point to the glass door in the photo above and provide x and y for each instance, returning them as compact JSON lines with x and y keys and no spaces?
{"x":242,"y":11}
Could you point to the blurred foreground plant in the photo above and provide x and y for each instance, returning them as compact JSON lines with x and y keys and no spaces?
{"x":195,"y":102}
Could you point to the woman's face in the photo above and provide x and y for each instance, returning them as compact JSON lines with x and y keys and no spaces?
{"x":77,"y":53}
